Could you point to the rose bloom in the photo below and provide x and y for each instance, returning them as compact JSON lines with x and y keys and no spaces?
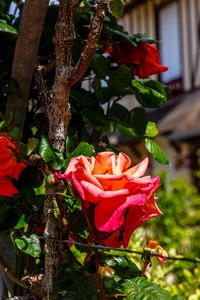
{"x":9,"y":166}
{"x":121,"y":197}
{"x":145,"y":56}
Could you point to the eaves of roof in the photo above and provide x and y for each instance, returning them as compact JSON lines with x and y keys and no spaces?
{"x":183,"y":121}
{"x":131,"y":4}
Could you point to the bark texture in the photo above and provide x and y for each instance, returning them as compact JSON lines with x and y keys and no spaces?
{"x":25,"y":57}
{"x":59,"y":115}
{"x":58,"y":111}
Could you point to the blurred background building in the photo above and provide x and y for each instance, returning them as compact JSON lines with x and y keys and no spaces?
{"x":177,"y":24}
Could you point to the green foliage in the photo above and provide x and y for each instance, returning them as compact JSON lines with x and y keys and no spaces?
{"x":6,"y":122}
{"x":116,"y":8}
{"x":6,"y":27}
{"x":151,"y":94}
{"x":23,"y":217}
{"x":142,"y":289}
{"x":157,"y":152}
{"x":95,"y":114}
{"x":32,"y":145}
{"x":176,"y":231}
{"x":30,"y":245}
{"x":83,"y":149}
{"x":75,"y":284}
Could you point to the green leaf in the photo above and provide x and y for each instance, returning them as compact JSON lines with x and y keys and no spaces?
{"x":84,"y":149}
{"x":104,"y":95}
{"x":139,"y":86}
{"x":96,"y":84}
{"x":158,"y":86}
{"x":58,"y":162}
{"x":118,"y":112}
{"x":37,"y":202}
{"x":7,"y":28}
{"x":122,"y":74}
{"x":29,"y":245}
{"x":120,"y":82}
{"x":45,"y":149}
{"x":136,"y":119}
{"x":142,"y":289}
{"x":32,"y":145}
{"x":97,"y":119}
{"x":151,"y":130}
{"x":15,"y":134}
{"x":3,"y":209}
{"x":116,"y":8}
{"x":123,"y":266}
{"x":156,"y":151}
{"x":76,"y":282}
{"x":23,"y":217}
{"x":31,"y":177}
{"x":67,"y":147}
{"x":126,"y":131}
{"x":22,"y":150}
{"x":99,"y":65}
{"x":6,"y":121}
{"x":176,"y":297}
{"x":151,"y":94}
{"x":83,"y":97}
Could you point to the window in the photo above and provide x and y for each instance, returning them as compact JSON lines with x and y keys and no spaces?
{"x":170,"y":49}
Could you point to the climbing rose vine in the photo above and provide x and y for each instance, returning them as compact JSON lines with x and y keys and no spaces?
{"x":121,"y":197}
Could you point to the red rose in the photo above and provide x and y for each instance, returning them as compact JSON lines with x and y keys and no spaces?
{"x":9,"y":166}
{"x":145,"y":56}
{"x":123,"y":199}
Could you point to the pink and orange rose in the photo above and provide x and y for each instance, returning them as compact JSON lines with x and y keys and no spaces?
{"x":122,"y":198}
{"x":9,"y":166}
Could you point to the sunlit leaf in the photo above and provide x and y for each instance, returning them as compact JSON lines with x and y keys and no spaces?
{"x":116,"y":8}
{"x":84,"y":149}
{"x":29,"y":245}
{"x":6,"y":122}
{"x":45,"y":149}
{"x":156,"y":151}
{"x":32,"y":145}
{"x":142,"y":289}
{"x":7,"y":28}
{"x":151,"y":129}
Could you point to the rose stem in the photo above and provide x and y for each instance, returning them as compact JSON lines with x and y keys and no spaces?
{"x":59,"y":207}
{"x":99,"y":279}
{"x":97,"y":256}
{"x":145,"y":265}
{"x":115,"y":295}
{"x":90,"y":225}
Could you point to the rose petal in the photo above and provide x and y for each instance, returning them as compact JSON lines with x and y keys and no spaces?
{"x":138,"y":170}
{"x":102,"y":163}
{"x":162,"y":252}
{"x":137,"y":215}
{"x":123,"y":163}
{"x":109,"y":215}
{"x":6,"y":187}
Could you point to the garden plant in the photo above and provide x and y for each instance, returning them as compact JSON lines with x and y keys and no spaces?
{"x":68,"y":194}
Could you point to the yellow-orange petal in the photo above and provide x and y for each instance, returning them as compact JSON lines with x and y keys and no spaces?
{"x":138,"y":170}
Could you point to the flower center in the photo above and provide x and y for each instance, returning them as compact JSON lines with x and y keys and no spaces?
{"x":152,"y":244}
